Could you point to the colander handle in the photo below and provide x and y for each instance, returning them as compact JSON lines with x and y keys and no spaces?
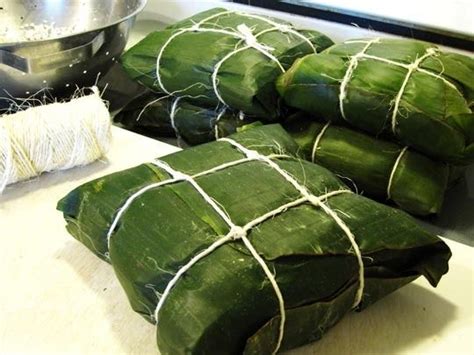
{"x":37,"y":65}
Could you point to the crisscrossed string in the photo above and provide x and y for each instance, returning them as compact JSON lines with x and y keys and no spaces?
{"x":348,"y":75}
{"x":411,"y":68}
{"x":243,"y":33}
{"x":240,"y":232}
{"x":317,"y":202}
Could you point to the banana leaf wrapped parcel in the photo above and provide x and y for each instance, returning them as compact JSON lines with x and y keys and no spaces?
{"x":175,"y":117}
{"x":236,"y":246}
{"x":404,"y":89}
{"x":222,"y":57}
{"x":380,"y":169}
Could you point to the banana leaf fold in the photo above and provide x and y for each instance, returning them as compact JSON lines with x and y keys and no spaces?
{"x":378,"y":168}
{"x":407,"y":90}
{"x":222,"y":57}
{"x":289,"y":267}
{"x":163,"y":116}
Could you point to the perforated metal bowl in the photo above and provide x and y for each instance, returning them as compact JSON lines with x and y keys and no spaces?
{"x":94,"y":35}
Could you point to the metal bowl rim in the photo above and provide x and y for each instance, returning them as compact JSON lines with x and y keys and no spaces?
{"x":112,"y":24}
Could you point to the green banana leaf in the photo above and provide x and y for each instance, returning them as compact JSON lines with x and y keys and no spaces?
{"x":225,"y":303}
{"x":427,"y":106}
{"x":151,"y":115}
{"x":418,"y":183}
{"x":245,"y":80}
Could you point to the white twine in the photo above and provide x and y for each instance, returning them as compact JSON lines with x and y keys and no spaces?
{"x":243,"y":32}
{"x":238,"y":232}
{"x":284,"y":28}
{"x":407,"y":66}
{"x":147,"y":188}
{"x":394,"y":169}
{"x":318,"y":140}
{"x":173,"y":111}
{"x":350,"y":70}
{"x":235,"y":233}
{"x":57,"y":136}
{"x":432,"y":51}
{"x":251,"y":41}
{"x":6,"y":157}
{"x":167,"y":43}
{"x":215,"y":123}
{"x":411,"y":68}
{"x":314,"y":200}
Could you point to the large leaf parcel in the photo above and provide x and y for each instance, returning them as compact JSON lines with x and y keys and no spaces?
{"x":221,"y":57}
{"x":235,"y":246}
{"x":404,"y":89}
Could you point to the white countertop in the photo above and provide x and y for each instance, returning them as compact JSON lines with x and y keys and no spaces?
{"x":456,"y":16}
{"x":57,"y":297}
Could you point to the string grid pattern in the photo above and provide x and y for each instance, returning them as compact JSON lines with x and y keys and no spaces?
{"x":243,"y":33}
{"x":411,"y":68}
{"x":240,"y":233}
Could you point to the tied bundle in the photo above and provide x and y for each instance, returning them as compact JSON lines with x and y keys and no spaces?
{"x":406,"y":90}
{"x":56,"y":136}
{"x":177,"y":117}
{"x":222,"y":57}
{"x":379,"y":169}
{"x":236,"y":246}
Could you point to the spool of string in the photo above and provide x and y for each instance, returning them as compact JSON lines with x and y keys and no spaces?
{"x":56,"y":136}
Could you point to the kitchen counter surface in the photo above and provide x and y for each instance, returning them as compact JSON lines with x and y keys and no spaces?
{"x":57,"y":297}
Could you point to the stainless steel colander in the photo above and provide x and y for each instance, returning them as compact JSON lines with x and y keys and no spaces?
{"x":94,"y":35}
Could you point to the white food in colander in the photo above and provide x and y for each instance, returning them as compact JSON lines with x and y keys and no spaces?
{"x":36,"y":32}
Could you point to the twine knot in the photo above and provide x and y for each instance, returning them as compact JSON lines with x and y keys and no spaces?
{"x":251,"y":40}
{"x":283,"y":27}
{"x":313,"y":199}
{"x":196,"y":27}
{"x":180,"y":176}
{"x":237,"y":233}
{"x":254,"y":155}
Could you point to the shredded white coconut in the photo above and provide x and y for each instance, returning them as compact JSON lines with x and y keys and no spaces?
{"x":36,"y":32}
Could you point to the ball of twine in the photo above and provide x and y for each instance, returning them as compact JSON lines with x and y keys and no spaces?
{"x":56,"y":136}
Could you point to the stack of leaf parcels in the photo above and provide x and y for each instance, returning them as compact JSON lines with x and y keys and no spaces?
{"x":405,"y":91}
{"x":236,"y":246}
{"x":377,"y":168}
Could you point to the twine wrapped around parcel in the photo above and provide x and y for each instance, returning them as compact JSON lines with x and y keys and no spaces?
{"x":408,"y":91}
{"x":56,"y":136}
{"x":222,"y":58}
{"x":176,"y":117}
{"x":259,"y":252}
